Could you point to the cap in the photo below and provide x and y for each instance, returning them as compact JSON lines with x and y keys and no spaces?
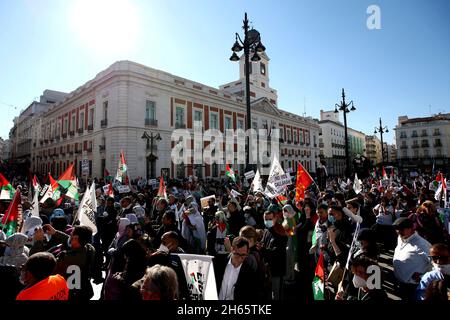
{"x":403,"y":222}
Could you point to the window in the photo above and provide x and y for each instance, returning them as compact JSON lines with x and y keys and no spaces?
{"x":150,"y":110}
{"x":403,"y":134}
{"x":240,"y":124}
{"x":437,"y":143}
{"x":66,"y":124}
{"x":255,"y":124}
{"x":179,"y":116}
{"x":416,"y":153}
{"x":213,"y":123}
{"x":263,"y":68}
{"x":105,"y":110}
{"x":438,"y":152}
{"x":425,"y":152}
{"x":414,"y":133}
{"x":215,"y":170}
{"x":228,"y":123}
{"x":436,"y":132}
{"x":424,"y":132}
{"x":73,"y":122}
{"x":81,"y":120}
{"x":289,"y":135}
{"x":91,"y":117}
{"x":198,"y":115}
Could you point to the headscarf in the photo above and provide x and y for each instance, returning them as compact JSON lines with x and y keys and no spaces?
{"x":30,"y":225}
{"x":132,"y":218}
{"x":123,"y":223}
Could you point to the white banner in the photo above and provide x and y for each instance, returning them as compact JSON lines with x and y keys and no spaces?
{"x":249,"y":175}
{"x":200,"y":278}
{"x":257,"y":183}
{"x":357,"y":185}
{"x":123,"y":189}
{"x":278,"y":180}
{"x":288,"y":170}
{"x":88,"y":207}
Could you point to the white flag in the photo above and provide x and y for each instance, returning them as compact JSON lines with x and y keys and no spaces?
{"x":88,"y":208}
{"x":275,"y":170}
{"x":357,"y":185}
{"x":35,"y":204}
{"x":257,"y":183}
{"x":438,"y":194}
{"x":200,"y":278}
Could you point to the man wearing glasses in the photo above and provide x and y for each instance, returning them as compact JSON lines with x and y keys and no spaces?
{"x":235,"y":278}
{"x":440,"y":258}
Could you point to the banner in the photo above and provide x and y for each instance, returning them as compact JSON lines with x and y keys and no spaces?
{"x":277,"y":181}
{"x":87,"y":210}
{"x":357,"y":185}
{"x":204,"y":201}
{"x":257,"y":182}
{"x":123,"y":189}
{"x":249,"y":175}
{"x":200,"y":278}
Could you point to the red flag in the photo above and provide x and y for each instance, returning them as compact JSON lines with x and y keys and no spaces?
{"x":438,"y":176}
{"x":162,"y":189}
{"x":105,"y":173}
{"x":319,"y":268}
{"x":304,"y":180}
{"x":384,"y":175}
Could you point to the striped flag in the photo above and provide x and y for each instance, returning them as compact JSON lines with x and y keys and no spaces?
{"x":318,"y":283}
{"x":230,"y":173}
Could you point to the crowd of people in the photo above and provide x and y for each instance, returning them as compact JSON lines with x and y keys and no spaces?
{"x":264,"y":248}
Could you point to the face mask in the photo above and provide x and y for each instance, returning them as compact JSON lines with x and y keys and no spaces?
{"x":268,"y":223}
{"x":331,"y":219}
{"x":163,"y":248}
{"x":358,"y":282}
{"x":443,"y":268}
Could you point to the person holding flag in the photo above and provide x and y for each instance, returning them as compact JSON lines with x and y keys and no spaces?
{"x":230,"y":173}
{"x":9,"y":222}
{"x":122,"y":170}
{"x":7,"y":191}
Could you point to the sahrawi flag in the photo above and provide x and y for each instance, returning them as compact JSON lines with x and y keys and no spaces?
{"x":7,"y":191}
{"x":36,"y":185}
{"x":385,"y":177}
{"x":52,"y":190}
{"x":122,"y":174}
{"x":162,"y":189}
{"x":9,"y":220}
{"x":319,"y":280}
{"x":441,"y":190}
{"x":87,"y":209}
{"x":304,"y":180}
{"x":230,"y":173}
{"x":108,"y":190}
{"x":200,"y":278}
{"x":357,"y":184}
{"x":69,"y":182}
{"x":257,"y":182}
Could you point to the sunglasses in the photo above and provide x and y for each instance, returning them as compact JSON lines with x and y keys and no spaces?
{"x":437,"y":258}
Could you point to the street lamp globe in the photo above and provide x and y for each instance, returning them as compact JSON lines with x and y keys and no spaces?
{"x":234,"y":57}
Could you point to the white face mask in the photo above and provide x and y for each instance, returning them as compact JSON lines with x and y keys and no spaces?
{"x":443,"y":268}
{"x":163,"y":248}
{"x":358,"y":282}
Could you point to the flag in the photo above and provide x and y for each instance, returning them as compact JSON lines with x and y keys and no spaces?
{"x":72,"y":191}
{"x":444,"y":191}
{"x":162,"y":189}
{"x":319,"y":280}
{"x":230,"y":173}
{"x":384,"y":175}
{"x":7,"y":191}
{"x":275,"y":171}
{"x":304,"y":180}
{"x":438,"y":176}
{"x":87,"y":209}
{"x":9,"y":221}
{"x":357,"y":184}
{"x":36,"y":185}
{"x":234,"y":193}
{"x":257,"y":183}
{"x":67,"y":178}
{"x":52,"y":190}
{"x":374,"y":173}
{"x":122,"y":174}
{"x":200,"y":278}
{"x":108,"y":190}
{"x":282,"y":199}
{"x":35,"y":205}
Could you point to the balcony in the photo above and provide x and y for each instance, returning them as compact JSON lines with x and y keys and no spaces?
{"x":104,"y":123}
{"x":80,"y":130}
{"x":425,"y":145}
{"x":101,"y":148}
{"x":403,"y":136}
{"x":307,"y":143}
{"x":424,"y":134}
{"x":70,"y":151}
{"x":321,"y":145}
{"x":436,"y":133}
{"x":414,"y":135}
{"x":151,"y":122}
{"x":90,"y":127}
{"x":64,"y":135}
{"x":438,"y":144}
{"x":72,"y":133}
{"x":77,"y":151}
{"x":58,"y":138}
{"x":89,"y":149}
{"x":289,"y":141}
{"x":403,"y":147}
{"x":281,"y":140}
{"x":180,"y":125}
{"x":415,"y":146}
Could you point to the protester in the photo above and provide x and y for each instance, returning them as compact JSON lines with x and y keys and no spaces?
{"x":160,"y":283}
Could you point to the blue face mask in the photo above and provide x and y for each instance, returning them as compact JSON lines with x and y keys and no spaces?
{"x":332,"y":219}
{"x":268,"y":223}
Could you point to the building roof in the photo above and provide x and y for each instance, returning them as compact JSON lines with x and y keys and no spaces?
{"x":437,"y":117}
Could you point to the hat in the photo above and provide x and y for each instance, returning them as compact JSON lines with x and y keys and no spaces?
{"x":402,"y":223}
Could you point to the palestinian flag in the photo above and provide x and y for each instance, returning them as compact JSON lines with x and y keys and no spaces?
{"x":282,"y":199}
{"x":122,"y":175}
{"x":162,"y":189}
{"x":107,"y":176}
{"x":384,"y":175}
{"x":230,"y":173}
{"x":67,"y":178}
{"x":438,"y":176}
{"x":374,"y":173}
{"x":319,"y":280}
{"x":109,"y":191}
{"x":10,"y":219}
{"x":72,"y":191}
{"x":52,"y":190}
{"x":36,"y":185}
{"x":7,"y":191}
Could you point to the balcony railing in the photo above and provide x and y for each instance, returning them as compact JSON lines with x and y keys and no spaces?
{"x":415,"y":146}
{"x":64,"y":135}
{"x":90,"y":127}
{"x":104,"y":123}
{"x":414,"y":135}
{"x":89,"y":149}
{"x":151,"y":122}
{"x":436,"y":133}
{"x":77,"y":151}
{"x":425,"y":145}
{"x":101,"y":148}
{"x":72,"y":133}
{"x":281,"y":140}
{"x":289,"y":141}
{"x":403,"y":147}
{"x":424,"y":134}
{"x":58,"y":138}
{"x":180,"y":126}
{"x":438,"y":144}
{"x":403,"y":136}
{"x":321,"y":145}
{"x":80,"y":130}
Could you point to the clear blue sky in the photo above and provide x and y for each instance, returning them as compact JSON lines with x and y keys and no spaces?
{"x":316,"y":48}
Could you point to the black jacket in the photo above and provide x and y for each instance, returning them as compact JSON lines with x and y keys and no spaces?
{"x":246,"y":287}
{"x":274,"y":251}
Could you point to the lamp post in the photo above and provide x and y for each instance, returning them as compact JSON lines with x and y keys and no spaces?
{"x":150,"y":138}
{"x":344,"y":108}
{"x":381,"y":130}
{"x":251,"y":44}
